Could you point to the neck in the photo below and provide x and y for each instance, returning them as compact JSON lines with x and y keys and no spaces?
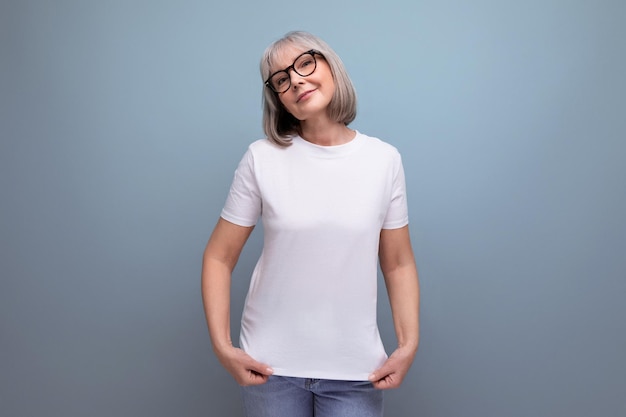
{"x":326,"y":133}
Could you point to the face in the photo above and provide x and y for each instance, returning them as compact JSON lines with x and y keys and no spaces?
{"x":308,"y":97}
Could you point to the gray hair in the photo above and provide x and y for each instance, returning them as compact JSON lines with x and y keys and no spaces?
{"x":278,"y":124}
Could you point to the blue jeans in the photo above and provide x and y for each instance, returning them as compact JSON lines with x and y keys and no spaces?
{"x":284,"y":396}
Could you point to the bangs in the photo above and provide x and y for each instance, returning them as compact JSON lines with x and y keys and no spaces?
{"x":277,"y":50}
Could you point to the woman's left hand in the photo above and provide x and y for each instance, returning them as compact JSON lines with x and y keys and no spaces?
{"x":395,"y":368}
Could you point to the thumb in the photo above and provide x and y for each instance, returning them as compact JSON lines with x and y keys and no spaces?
{"x":381,"y":372}
{"x":259,"y":367}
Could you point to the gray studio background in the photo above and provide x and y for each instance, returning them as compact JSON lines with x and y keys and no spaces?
{"x":122,"y":122}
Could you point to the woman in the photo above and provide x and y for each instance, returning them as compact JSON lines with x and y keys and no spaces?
{"x":333,"y":203}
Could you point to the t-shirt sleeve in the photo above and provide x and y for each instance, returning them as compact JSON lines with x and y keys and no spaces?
{"x":398,"y":212}
{"x":243,"y":204}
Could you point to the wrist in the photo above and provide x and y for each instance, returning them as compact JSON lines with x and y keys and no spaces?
{"x":221,"y":346}
{"x":409,"y":345}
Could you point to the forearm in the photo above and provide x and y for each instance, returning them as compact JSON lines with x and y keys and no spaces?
{"x":216,"y":279}
{"x":402,"y":283}
{"x":218,"y":262}
{"x":403,"y":290}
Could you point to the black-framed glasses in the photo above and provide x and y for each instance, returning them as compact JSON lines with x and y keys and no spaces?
{"x":304,"y":65}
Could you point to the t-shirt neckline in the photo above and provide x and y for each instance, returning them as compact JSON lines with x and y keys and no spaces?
{"x":332,"y":151}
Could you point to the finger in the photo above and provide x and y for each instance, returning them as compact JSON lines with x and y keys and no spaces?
{"x":381,"y":372}
{"x":386,"y":377}
{"x":259,"y":368}
{"x":255,"y":378}
{"x":388,"y":382}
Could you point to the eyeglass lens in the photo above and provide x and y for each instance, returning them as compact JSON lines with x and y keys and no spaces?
{"x":304,"y":66}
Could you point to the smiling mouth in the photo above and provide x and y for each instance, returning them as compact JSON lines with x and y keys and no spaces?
{"x":304,"y":95}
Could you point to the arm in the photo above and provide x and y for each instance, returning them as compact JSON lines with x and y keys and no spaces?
{"x":220,"y":257}
{"x":398,"y":266}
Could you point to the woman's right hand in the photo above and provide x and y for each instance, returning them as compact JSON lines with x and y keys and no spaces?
{"x":246,"y":370}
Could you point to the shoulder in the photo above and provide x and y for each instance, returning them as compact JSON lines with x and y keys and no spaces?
{"x":262,"y":153}
{"x":264,"y":145}
{"x":259,"y":148}
{"x":264,"y":149}
{"x":380,"y":148}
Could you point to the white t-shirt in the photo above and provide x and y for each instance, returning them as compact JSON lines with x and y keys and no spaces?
{"x":311,"y":308}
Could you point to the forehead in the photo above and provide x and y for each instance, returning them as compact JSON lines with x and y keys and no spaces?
{"x":284,"y":55}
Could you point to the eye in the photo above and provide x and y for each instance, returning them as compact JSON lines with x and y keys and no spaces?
{"x":280,"y":80}
{"x":306,"y":62}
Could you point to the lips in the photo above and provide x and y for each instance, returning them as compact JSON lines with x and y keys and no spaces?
{"x":304,"y":95}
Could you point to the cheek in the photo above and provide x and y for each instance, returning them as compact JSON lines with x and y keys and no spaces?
{"x":330,"y":85}
{"x":327,"y":74}
{"x":329,"y":80}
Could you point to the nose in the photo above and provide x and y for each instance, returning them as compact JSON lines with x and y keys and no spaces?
{"x":294,"y":77}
